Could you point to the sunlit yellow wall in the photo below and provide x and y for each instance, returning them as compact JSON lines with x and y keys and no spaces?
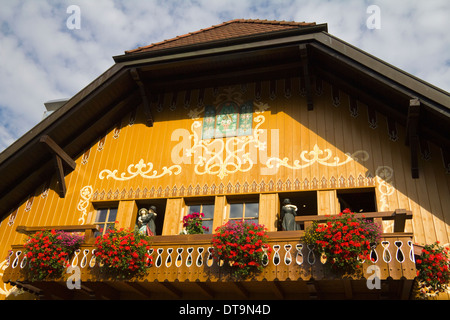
{"x":325,"y":149}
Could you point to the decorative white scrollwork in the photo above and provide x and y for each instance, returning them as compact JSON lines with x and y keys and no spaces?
{"x":85,"y":194}
{"x":140,"y":169}
{"x":384,"y":176}
{"x":317,"y":156}
{"x":211,"y":153}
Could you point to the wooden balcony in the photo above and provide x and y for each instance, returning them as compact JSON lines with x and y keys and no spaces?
{"x":184,"y":268}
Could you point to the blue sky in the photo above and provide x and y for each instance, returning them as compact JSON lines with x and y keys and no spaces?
{"x":41,"y":59}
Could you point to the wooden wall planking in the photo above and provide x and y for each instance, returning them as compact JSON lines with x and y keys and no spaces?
{"x":329,"y":126}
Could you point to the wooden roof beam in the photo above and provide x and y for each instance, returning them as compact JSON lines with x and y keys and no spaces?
{"x":53,"y":147}
{"x":306,"y":77}
{"x":144,"y":95}
{"x":61,"y":159}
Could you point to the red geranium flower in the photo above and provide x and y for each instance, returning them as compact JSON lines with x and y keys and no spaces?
{"x":433,"y":270}
{"x":123,"y":253}
{"x":48,"y":253}
{"x":344,"y":239}
{"x":242,"y":246}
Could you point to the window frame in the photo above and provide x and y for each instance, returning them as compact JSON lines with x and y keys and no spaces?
{"x":202,"y":201}
{"x":105,"y":225}
{"x":243,"y":217}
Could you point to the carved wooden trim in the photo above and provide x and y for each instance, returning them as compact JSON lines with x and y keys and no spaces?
{"x":144,"y":95}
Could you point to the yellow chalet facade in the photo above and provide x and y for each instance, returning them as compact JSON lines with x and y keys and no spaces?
{"x":231,"y":121}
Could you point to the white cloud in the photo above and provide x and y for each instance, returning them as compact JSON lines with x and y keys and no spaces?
{"x":41,"y":60}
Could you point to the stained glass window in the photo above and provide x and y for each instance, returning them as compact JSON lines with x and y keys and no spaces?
{"x":209,"y":122}
{"x":245,"y":119}
{"x":229,"y":120}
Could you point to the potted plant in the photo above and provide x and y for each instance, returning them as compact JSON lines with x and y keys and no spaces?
{"x":122,"y":253}
{"x":433,"y":270}
{"x":344,"y":239}
{"x":242,"y":246}
{"x":193,"y":224}
{"x":48,"y":253}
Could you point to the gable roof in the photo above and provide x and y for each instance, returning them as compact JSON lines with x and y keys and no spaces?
{"x":227,"y":30}
{"x":283,"y":51}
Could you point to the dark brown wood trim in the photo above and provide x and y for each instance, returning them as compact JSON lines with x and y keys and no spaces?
{"x":412,"y":137}
{"x":144,"y":95}
{"x":60,"y":158}
{"x":60,"y":176}
{"x":306,"y":77}
{"x":53,"y":147}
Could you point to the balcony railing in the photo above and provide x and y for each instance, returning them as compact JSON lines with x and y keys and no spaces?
{"x":189,"y":258}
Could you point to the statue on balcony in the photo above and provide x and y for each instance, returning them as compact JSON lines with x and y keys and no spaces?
{"x":146,"y":221}
{"x":288,"y":213}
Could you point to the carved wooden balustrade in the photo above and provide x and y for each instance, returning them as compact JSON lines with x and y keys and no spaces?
{"x":188,"y":258}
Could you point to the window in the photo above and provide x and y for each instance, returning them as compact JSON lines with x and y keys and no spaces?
{"x":248,"y":211}
{"x":227,"y":120}
{"x":105,"y":219}
{"x":160,"y":205}
{"x":208,"y":211}
{"x":305,"y":201}
{"x":357,"y":200}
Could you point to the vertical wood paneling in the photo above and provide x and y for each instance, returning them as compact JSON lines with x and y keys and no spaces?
{"x":328,"y":126}
{"x":269,"y":210}
{"x":172,"y":216}
{"x":327,"y":202}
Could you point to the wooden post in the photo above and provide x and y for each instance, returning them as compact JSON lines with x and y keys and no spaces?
{"x":399,"y":220}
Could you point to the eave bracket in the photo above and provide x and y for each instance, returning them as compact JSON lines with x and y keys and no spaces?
{"x":61,"y":159}
{"x":306,"y":77}
{"x":144,"y":95}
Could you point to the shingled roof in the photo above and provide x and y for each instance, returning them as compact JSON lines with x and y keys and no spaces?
{"x":227,"y":30}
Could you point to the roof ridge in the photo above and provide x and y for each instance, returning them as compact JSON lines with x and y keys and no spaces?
{"x":256,"y":21}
